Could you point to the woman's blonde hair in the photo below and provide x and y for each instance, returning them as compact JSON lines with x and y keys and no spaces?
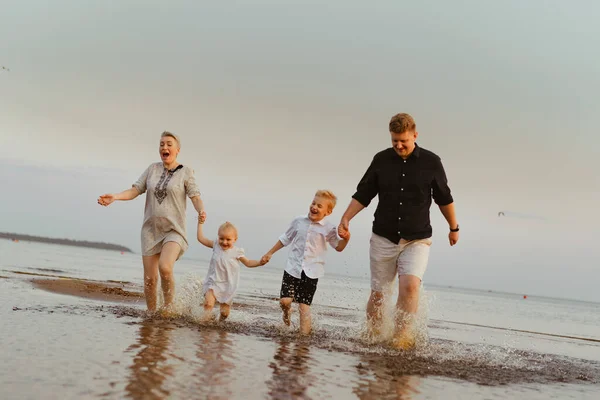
{"x":174,"y":136}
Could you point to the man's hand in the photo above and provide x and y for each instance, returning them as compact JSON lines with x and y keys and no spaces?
{"x":453,"y":238}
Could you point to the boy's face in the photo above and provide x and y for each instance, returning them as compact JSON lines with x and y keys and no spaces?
{"x":227,"y":238}
{"x":319,"y":209}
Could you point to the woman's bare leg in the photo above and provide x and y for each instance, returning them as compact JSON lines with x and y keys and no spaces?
{"x":168,"y":255}
{"x":150,"y":280}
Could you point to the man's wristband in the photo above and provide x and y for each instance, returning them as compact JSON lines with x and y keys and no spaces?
{"x":456,"y":229}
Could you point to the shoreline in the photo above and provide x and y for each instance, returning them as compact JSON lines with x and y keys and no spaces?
{"x":16,"y":237}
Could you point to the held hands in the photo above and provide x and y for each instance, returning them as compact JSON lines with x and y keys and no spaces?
{"x":344,"y":234}
{"x":343,"y":229}
{"x":106,"y":199}
{"x":265,"y":259}
{"x":202,"y":217}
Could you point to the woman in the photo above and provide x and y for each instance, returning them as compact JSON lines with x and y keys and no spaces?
{"x":163,"y":231}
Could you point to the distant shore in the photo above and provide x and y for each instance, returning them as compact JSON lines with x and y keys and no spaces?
{"x":64,"y":242}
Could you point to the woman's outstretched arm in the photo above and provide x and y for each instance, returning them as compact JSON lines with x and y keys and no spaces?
{"x":109,"y":198}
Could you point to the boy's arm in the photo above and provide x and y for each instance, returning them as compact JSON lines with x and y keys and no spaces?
{"x":283,"y":241}
{"x":201,"y":238}
{"x":340,"y":242}
{"x":251,"y":263}
{"x":341,"y":245}
{"x":267,"y":257}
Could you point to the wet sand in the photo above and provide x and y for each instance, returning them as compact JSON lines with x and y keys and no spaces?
{"x":104,"y":291}
{"x":111,"y":291}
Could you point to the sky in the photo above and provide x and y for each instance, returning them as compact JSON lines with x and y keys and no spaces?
{"x":274,"y":100}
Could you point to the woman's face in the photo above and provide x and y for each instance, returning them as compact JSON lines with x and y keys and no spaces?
{"x":168,"y":149}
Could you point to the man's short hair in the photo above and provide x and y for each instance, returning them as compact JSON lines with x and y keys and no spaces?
{"x":401,"y":123}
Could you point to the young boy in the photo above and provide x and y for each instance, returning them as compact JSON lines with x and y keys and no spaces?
{"x":308,"y":236}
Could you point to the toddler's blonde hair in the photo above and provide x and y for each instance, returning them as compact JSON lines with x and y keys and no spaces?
{"x":328,"y":194}
{"x":228,"y":225}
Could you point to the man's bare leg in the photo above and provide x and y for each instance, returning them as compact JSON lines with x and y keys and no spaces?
{"x":375,"y":312}
{"x":224,"y":308}
{"x":168,"y":255}
{"x":150,"y":280}
{"x":305,"y":319}
{"x":406,"y":309}
{"x":286,"y":307}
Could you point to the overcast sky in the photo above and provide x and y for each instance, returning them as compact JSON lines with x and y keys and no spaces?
{"x":274,"y":100}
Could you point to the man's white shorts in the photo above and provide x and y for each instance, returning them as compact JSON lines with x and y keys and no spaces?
{"x":409,"y":257}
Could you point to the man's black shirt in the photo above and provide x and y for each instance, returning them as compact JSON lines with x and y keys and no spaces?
{"x":405,"y":189}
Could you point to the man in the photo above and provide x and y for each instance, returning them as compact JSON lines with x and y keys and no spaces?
{"x":406,"y":177}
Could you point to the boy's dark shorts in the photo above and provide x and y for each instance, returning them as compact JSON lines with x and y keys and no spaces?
{"x":300,"y":290}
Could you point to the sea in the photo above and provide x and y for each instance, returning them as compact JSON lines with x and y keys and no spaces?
{"x":472,"y":344}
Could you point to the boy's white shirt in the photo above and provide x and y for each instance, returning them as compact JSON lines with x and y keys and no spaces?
{"x":308,"y":246}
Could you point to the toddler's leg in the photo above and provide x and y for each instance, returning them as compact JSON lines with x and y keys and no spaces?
{"x":305,"y":320}
{"x":286,"y":307}
{"x":209,"y":304}
{"x":225,"y":308}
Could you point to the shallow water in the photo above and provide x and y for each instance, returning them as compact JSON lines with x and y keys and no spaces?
{"x":59,"y":346}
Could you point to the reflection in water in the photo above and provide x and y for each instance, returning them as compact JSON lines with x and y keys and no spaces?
{"x":377,"y":381}
{"x":290,"y":377}
{"x":150,"y":366}
{"x":215,"y":371}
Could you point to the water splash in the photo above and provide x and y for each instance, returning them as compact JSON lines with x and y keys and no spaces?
{"x":393,"y":319}
{"x":188,"y":301}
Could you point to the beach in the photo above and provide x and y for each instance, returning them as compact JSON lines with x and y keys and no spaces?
{"x":74,"y":326}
